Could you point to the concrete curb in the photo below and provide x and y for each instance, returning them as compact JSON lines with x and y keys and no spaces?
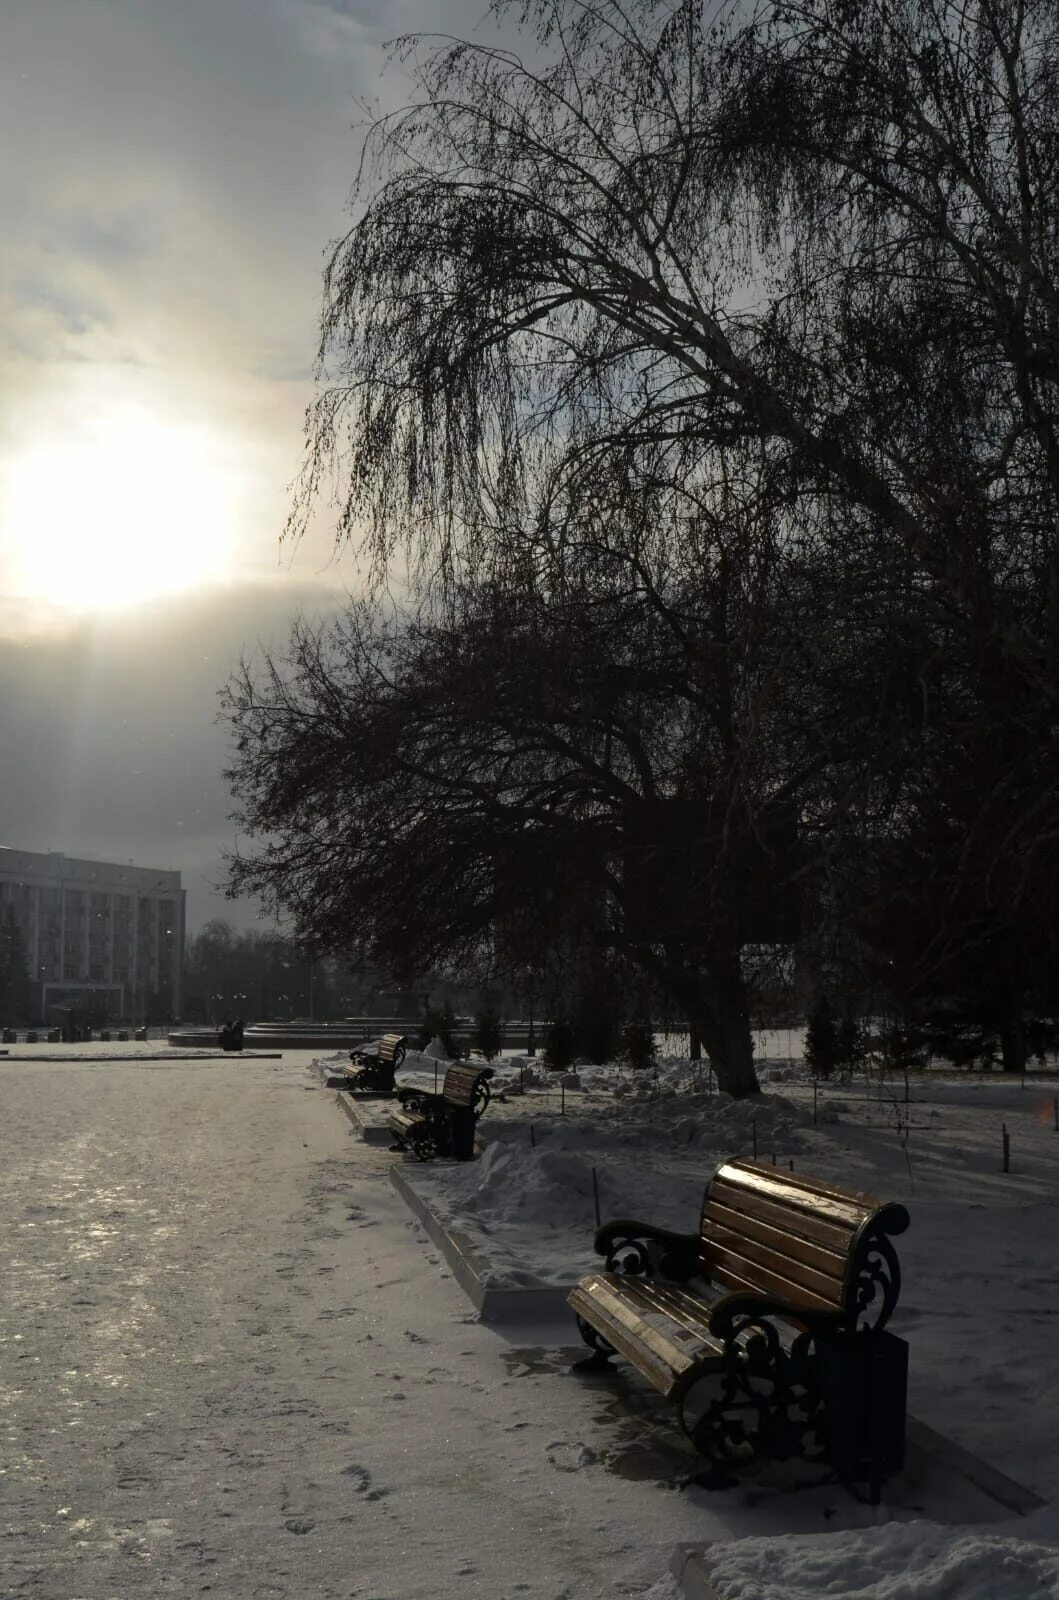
{"x":133,"y":1061}
{"x":543,"y":1304}
{"x":687,"y":1564}
{"x":1014,"y":1497}
{"x":371,"y":1131}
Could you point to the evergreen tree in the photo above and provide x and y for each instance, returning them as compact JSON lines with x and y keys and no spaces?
{"x":638,"y":1044}
{"x":439,"y":1022}
{"x":850,"y":1044}
{"x":560,"y":1046}
{"x":488,"y":1036}
{"x":16,"y":990}
{"x":821,"y":1040}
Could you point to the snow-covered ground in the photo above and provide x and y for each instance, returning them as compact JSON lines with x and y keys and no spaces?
{"x":232,"y":1363}
{"x":980,"y":1300}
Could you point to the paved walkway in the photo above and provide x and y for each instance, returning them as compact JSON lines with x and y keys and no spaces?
{"x":230,"y":1363}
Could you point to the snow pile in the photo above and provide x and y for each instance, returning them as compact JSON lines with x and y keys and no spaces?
{"x":549,"y":1188}
{"x":898,"y":1561}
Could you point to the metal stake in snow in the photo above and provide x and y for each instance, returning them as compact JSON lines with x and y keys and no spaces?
{"x":1007,"y":1147}
{"x":1055,"y":1112}
{"x":753,"y":1133}
{"x":533,"y":1141}
{"x":562,"y":1099}
{"x":595,"y":1195}
{"x":435,"y":1074}
{"x":814,"y":1101}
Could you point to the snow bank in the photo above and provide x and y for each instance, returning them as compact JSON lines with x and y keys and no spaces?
{"x":899,"y":1561}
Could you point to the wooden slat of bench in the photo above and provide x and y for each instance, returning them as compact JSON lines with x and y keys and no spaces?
{"x":832,"y":1263}
{"x":738,"y":1271}
{"x":821,"y":1205}
{"x":460,"y":1084}
{"x":739,"y":1243}
{"x":661,"y":1329}
{"x":865,"y":1204}
{"x":835,"y":1236}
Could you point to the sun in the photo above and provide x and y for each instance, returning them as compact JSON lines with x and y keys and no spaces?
{"x":130,"y":509}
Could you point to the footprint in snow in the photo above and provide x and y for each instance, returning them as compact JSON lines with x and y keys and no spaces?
{"x":362,"y":1481}
{"x":299,"y":1524}
{"x":568,"y":1457}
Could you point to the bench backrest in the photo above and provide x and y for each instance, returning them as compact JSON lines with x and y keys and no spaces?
{"x":463,"y":1083}
{"x":812,"y":1244}
{"x":390,"y":1044}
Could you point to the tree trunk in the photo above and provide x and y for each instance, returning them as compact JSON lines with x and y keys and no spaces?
{"x":695,"y":1046}
{"x":712,"y":996}
{"x":731,"y":1052}
{"x":731,"y":1048}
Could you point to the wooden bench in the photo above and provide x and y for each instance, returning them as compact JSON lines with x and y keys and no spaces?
{"x":373,"y":1066}
{"x":766,"y":1327}
{"x":442,"y":1124}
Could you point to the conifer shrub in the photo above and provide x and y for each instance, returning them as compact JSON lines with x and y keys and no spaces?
{"x":438,"y":1022}
{"x":638,"y":1044}
{"x":821,"y":1040}
{"x":560,"y":1046}
{"x":488,"y":1035}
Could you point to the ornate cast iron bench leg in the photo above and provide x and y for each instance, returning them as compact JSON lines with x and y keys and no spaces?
{"x":764,"y":1404}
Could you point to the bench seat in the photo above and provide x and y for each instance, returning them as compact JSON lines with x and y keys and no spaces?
{"x":662,"y":1328}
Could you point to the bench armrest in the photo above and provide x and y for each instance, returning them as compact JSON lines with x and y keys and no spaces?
{"x":643,"y":1248}
{"x":757,"y":1307}
{"x":425,"y":1099}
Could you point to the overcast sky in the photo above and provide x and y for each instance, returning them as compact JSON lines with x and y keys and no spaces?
{"x":171,"y":173}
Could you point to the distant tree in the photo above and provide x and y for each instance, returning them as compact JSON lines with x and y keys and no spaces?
{"x":256,"y":974}
{"x":16,"y":988}
{"x":902,"y":1047}
{"x":488,"y":1035}
{"x":821,"y":1040}
{"x":850,"y":1044}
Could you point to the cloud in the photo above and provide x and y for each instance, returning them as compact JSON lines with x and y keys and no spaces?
{"x":109,"y":734}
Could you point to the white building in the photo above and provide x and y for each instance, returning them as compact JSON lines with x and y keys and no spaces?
{"x":97,"y":932}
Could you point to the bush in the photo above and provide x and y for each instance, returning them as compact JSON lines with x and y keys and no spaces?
{"x":638,"y":1044}
{"x":560,"y":1046}
{"x":488,"y":1036}
{"x":439,"y":1022}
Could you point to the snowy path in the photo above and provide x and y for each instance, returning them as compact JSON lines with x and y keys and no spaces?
{"x":227,"y":1366}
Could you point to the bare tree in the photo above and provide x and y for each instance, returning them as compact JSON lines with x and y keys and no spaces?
{"x":826,"y":236}
{"x":531,"y":772}
{"x":792,"y":274}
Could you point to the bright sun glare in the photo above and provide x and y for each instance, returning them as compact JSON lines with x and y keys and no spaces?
{"x":130,"y":510}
